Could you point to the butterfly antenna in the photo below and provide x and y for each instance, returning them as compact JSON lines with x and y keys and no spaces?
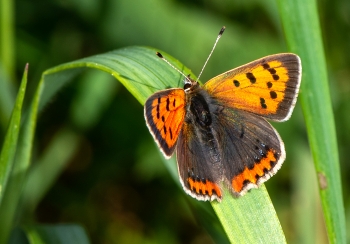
{"x":161,"y":56}
{"x":212,"y":50}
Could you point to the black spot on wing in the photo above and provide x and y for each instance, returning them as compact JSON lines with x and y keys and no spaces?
{"x":242,"y":133}
{"x":266,"y":66}
{"x":167,"y":104}
{"x":158,"y":114}
{"x":251,"y":77}
{"x":273,"y":94}
{"x":275,"y":77}
{"x":272,"y":71}
{"x":262,"y":103}
{"x":171,"y":133}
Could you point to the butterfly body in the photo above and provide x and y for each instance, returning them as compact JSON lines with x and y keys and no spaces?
{"x":219,"y":130}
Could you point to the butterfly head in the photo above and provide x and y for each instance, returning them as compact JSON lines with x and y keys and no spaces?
{"x":190,"y":84}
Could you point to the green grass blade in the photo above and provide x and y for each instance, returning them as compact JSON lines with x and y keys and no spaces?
{"x":7,"y":98}
{"x":21,"y":163}
{"x":250,"y":219}
{"x":7,"y":34}
{"x":10,"y":143}
{"x":143,"y":73}
{"x":302,"y":28}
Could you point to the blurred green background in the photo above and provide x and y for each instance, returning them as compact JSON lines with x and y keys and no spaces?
{"x":115,"y":183}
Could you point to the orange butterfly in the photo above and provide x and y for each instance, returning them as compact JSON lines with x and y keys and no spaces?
{"x":219,"y":130}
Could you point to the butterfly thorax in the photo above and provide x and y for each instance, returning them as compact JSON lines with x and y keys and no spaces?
{"x":198,"y":106}
{"x":197,"y":103}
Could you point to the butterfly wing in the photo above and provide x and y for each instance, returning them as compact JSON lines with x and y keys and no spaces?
{"x":268,"y":86}
{"x":164,"y":114}
{"x":200,"y":172}
{"x":252,"y":150}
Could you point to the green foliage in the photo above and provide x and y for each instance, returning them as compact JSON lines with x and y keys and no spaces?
{"x":238,"y":217}
{"x":304,"y":38}
{"x":84,"y":154}
{"x":11,"y":139}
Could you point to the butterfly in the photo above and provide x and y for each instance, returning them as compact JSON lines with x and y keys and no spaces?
{"x":219,"y":130}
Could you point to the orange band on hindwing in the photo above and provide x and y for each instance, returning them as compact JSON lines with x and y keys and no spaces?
{"x":260,"y":169}
{"x":206,"y":187}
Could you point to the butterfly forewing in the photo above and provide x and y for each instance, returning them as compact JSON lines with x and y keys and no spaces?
{"x":164,"y":113}
{"x":267,"y":86}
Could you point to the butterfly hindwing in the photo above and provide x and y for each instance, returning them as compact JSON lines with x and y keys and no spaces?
{"x":252,"y":150}
{"x":199,"y":173}
{"x":164,"y":114}
{"x":268,"y":86}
